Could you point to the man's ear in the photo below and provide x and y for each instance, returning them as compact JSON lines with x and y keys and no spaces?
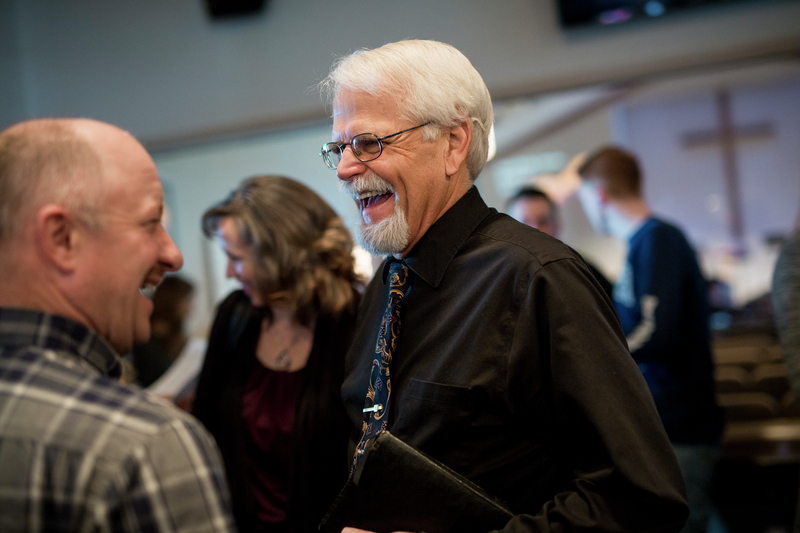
{"x":57,"y":235}
{"x":459,"y":140}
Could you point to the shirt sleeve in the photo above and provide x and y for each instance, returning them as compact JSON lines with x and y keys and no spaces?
{"x":175,"y":482}
{"x":662,"y":273}
{"x":618,"y":470}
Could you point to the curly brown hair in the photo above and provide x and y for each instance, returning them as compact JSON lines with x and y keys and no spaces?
{"x":302,"y":252}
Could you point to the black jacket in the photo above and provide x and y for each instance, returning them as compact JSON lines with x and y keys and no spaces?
{"x":320,"y":462}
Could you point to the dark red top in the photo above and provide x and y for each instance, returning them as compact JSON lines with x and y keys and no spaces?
{"x":268,"y":409}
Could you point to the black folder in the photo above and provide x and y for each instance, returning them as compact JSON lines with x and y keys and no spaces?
{"x":396,"y":487}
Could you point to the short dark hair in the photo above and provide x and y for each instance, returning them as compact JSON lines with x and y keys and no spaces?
{"x":534,"y":193}
{"x":617,"y":169}
{"x":529,"y":193}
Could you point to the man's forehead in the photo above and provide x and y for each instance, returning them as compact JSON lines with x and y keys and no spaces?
{"x":129,"y":169}
{"x":532,"y":203}
{"x":349,"y":105}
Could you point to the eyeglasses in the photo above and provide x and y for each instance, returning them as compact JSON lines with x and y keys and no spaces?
{"x":366,"y":147}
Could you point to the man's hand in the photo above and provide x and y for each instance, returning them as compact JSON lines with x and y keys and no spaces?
{"x":561,"y":185}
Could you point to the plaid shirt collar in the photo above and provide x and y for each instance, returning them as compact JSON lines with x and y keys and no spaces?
{"x":25,"y":328}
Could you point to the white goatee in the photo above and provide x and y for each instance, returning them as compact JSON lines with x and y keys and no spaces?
{"x":389,"y":236}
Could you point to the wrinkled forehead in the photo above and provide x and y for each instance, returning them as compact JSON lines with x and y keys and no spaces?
{"x":351,"y":101}
{"x":357,"y":112}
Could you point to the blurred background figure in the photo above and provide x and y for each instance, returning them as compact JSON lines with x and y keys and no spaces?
{"x":662,"y":301}
{"x":786,"y":305}
{"x":786,"y":309}
{"x":172,"y":303}
{"x":534,"y":208}
{"x":269,"y":390}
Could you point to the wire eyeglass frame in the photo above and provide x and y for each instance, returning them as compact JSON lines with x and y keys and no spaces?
{"x":363,"y":143}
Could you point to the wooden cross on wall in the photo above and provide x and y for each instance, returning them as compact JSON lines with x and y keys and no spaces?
{"x":726,"y":136}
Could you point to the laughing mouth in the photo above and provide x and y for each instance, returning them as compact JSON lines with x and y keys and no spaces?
{"x":369,"y":199}
{"x":367,"y":190}
{"x":148,"y":289}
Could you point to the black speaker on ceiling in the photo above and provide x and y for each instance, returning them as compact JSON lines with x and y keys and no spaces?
{"x":222,"y":9}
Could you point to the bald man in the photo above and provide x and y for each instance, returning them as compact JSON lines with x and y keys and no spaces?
{"x":81,"y":243}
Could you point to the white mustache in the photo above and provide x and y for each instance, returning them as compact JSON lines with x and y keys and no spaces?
{"x":370,"y":184}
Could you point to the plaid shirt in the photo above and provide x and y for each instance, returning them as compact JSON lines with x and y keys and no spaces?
{"x":80,"y":452}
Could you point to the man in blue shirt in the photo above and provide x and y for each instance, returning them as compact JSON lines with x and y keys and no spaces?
{"x":661,"y":299}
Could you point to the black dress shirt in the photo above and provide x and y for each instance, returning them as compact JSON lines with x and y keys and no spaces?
{"x":512,"y":369}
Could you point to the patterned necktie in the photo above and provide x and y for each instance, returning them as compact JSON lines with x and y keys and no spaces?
{"x":376,"y":406}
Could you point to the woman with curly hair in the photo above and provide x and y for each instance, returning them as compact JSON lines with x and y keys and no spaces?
{"x":269,"y":387}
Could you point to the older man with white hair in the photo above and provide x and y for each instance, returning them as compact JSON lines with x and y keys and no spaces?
{"x":504,"y":361}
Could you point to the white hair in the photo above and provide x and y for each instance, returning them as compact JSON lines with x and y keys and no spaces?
{"x":432,"y":82}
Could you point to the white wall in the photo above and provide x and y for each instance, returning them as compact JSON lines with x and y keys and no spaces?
{"x":164,"y":71}
{"x":12,"y":101}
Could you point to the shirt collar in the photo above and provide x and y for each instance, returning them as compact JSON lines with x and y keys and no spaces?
{"x":433,"y":253}
{"x":27,"y":327}
{"x":639,"y":231}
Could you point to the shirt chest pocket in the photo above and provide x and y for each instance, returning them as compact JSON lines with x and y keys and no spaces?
{"x":434,"y":416}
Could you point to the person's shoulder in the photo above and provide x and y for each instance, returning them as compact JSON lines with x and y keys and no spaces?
{"x":666,"y":229}
{"x":235,"y":298}
{"x":113,"y":417}
{"x":503,"y":234}
{"x":237,"y":302}
{"x":131,"y":407}
{"x":666,"y":236}
{"x":137,"y":427}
